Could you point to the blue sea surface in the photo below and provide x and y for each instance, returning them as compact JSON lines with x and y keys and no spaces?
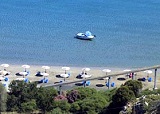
{"x":42,"y":32}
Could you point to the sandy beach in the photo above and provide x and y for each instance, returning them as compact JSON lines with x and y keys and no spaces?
{"x":74,"y":71}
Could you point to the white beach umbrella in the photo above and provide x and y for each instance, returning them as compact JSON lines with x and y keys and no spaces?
{"x":3,"y":72}
{"x":64,"y":76}
{"x":45,"y":74}
{"x":86,"y":69}
{"x":65,"y":68}
{"x":45,"y":68}
{"x":86,"y":76}
{"x":20,"y":79}
{"x":126,"y":70}
{"x":148,"y":72}
{"x":23,"y":73}
{"x":25,"y":67}
{"x":5,"y":66}
{"x":106,"y":71}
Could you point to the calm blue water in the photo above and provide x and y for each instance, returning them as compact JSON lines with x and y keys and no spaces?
{"x":42,"y":32}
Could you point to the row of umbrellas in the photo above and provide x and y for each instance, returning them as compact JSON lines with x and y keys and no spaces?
{"x":84,"y":70}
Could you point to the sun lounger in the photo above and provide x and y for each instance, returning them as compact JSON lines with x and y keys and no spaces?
{"x":149,"y":79}
{"x":112,"y":84}
{"x":88,"y":83}
{"x":6,"y":79}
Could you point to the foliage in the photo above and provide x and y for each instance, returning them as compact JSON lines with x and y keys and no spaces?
{"x":20,"y":92}
{"x":94,"y":103}
{"x":63,"y":105}
{"x":85,"y":92}
{"x":56,"y":111}
{"x":59,"y":98}
{"x":108,"y":94}
{"x":122,"y":96}
{"x":134,"y":85}
{"x":45,"y":98}
{"x":72,"y":96}
{"x":3,"y":98}
{"x":29,"y":106}
{"x":27,"y":97}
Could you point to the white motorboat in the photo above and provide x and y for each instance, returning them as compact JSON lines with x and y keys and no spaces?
{"x":85,"y":36}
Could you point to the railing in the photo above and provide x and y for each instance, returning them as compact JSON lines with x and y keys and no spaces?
{"x":112,"y":75}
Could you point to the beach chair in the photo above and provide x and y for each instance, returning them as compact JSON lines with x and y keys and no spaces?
{"x":112,"y":84}
{"x":61,"y":81}
{"x":69,"y":75}
{"x":26,"y":80}
{"x":41,"y":81}
{"x":88,"y":83}
{"x":4,"y":85}
{"x":149,"y":79}
{"x":46,"y":81}
{"x":27,"y":73}
{"x":107,"y":84}
{"x":6,"y":79}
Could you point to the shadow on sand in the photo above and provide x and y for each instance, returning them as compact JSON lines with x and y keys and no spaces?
{"x":100,"y":85}
{"x":79,"y":84}
{"x":58,"y":76}
{"x":121,"y":79}
{"x":79,"y":76}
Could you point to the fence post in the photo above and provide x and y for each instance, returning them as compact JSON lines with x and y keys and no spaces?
{"x":155,"y":79}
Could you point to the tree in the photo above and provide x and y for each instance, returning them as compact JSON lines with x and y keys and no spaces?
{"x":45,"y":98}
{"x":85,"y":92}
{"x":20,"y":93}
{"x":134,"y":85}
{"x":93,"y":104}
{"x":122,"y":96}
{"x":28,"y":106}
{"x":63,"y":105}
{"x":72,"y":96}
{"x":3,"y":98}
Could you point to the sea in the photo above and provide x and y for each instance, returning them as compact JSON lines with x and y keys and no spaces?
{"x":41,"y":32}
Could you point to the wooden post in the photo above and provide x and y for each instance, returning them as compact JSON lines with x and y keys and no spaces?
{"x":109,"y":82}
{"x":155,"y":79}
